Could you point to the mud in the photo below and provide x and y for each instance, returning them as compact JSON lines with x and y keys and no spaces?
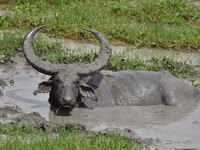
{"x":2,"y":12}
{"x":21,"y":80}
{"x":168,"y":127}
{"x":195,"y":3}
{"x":15,"y":115}
{"x":161,"y":126}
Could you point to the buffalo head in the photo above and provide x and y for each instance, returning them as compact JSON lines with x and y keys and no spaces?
{"x":66,"y":85}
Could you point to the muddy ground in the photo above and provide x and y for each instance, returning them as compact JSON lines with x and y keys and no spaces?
{"x":14,"y":114}
{"x":167,"y":127}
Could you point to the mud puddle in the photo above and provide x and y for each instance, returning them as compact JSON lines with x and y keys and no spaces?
{"x":2,"y":11}
{"x":168,"y":127}
{"x":20,"y":82}
{"x":195,"y":3}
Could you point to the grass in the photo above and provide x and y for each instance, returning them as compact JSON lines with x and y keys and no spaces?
{"x":68,"y":136}
{"x":179,"y":69}
{"x":10,"y":44}
{"x":55,"y":53}
{"x":165,"y":24}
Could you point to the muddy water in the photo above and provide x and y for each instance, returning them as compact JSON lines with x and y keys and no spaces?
{"x":174,"y":127}
{"x":2,"y":12}
{"x":195,"y":3}
{"x":169,"y":127}
{"x":21,"y":80}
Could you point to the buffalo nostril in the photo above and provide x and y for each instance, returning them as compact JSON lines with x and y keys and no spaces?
{"x":69,"y":101}
{"x":65,"y":100}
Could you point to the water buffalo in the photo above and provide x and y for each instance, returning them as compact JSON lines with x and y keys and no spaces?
{"x":81,"y":84}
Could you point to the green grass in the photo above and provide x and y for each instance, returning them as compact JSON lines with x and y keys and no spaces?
{"x":179,"y":69}
{"x":10,"y":44}
{"x":55,"y":53}
{"x":165,"y":24}
{"x":61,"y":137}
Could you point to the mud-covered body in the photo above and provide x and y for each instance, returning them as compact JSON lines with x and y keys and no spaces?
{"x":139,"y":88}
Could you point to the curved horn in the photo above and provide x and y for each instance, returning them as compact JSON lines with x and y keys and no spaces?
{"x":80,"y":69}
{"x":101,"y":60}
{"x":35,"y":61}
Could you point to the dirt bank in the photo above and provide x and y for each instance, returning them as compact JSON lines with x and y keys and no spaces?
{"x":14,"y":114}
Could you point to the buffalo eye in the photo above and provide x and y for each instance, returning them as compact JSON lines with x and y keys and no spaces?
{"x":56,"y":80}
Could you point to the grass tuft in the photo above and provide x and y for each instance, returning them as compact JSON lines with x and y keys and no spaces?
{"x":61,"y":137}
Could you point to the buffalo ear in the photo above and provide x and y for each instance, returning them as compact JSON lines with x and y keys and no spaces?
{"x":43,"y":87}
{"x":87,"y":91}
